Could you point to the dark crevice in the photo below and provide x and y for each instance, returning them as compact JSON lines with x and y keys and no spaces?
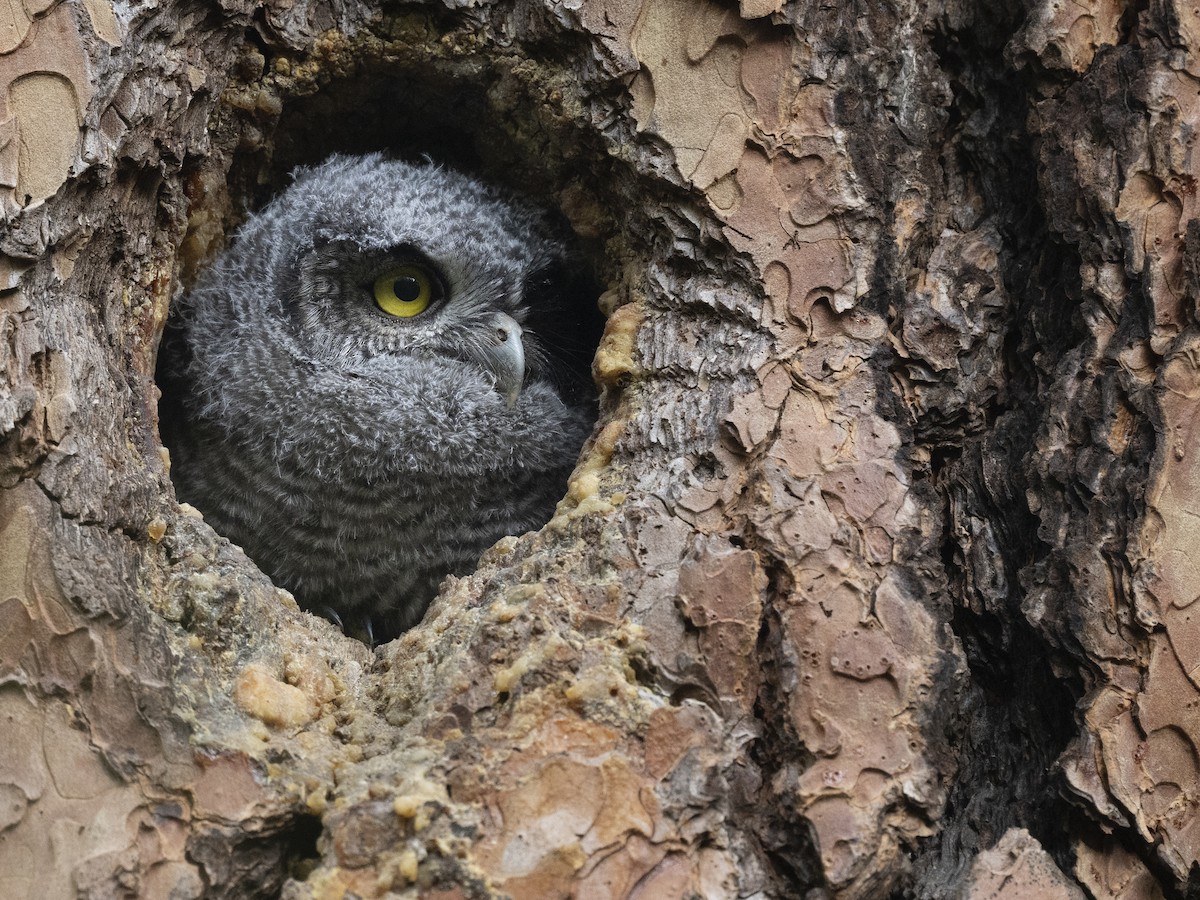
{"x":1127,"y":25}
{"x":300,"y":850}
{"x":784,"y":836}
{"x":242,"y":863}
{"x":1018,"y":711}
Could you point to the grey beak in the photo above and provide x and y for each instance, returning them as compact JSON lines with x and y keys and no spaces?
{"x":506,"y":356}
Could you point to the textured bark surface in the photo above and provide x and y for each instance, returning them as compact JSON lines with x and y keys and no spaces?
{"x":876,"y":579}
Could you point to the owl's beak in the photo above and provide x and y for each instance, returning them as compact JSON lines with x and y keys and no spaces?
{"x":506,"y":356}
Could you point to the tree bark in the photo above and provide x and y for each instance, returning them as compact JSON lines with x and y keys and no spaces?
{"x":876,"y":578}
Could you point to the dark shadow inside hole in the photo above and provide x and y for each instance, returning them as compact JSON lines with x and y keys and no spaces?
{"x":418,"y":112}
{"x":451,"y":123}
{"x":300,"y":852}
{"x":392,"y":112}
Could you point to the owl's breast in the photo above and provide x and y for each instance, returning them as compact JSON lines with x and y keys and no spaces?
{"x":365,"y":539}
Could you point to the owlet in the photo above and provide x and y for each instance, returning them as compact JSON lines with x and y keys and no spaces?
{"x":376,"y":381}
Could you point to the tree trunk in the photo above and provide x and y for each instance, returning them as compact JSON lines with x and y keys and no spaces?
{"x":875,"y":579}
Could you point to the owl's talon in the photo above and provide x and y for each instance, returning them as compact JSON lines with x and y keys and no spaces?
{"x":361,"y":628}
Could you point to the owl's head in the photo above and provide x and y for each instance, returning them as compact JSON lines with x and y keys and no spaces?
{"x":365,"y":258}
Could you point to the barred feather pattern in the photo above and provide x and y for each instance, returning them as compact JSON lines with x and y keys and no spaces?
{"x":358,"y":458}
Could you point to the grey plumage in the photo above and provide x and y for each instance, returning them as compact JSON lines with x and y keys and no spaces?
{"x":357,"y":456}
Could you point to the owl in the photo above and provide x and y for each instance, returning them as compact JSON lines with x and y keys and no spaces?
{"x":377,"y":380}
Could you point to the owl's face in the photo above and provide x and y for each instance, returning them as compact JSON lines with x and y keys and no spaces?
{"x":362,"y":308}
{"x":417,"y":269}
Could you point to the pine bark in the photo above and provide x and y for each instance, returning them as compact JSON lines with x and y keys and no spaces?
{"x":874,"y":580}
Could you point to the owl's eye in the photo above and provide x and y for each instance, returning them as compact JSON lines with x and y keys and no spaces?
{"x":404,"y":292}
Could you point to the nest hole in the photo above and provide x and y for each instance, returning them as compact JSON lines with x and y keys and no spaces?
{"x":504,"y":120}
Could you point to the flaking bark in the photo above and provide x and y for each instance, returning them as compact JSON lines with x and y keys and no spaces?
{"x":876,"y":578}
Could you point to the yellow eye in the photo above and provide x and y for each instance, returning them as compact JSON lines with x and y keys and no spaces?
{"x":404,"y":292}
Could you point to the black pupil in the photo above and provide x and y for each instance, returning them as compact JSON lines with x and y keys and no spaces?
{"x":407,"y":288}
